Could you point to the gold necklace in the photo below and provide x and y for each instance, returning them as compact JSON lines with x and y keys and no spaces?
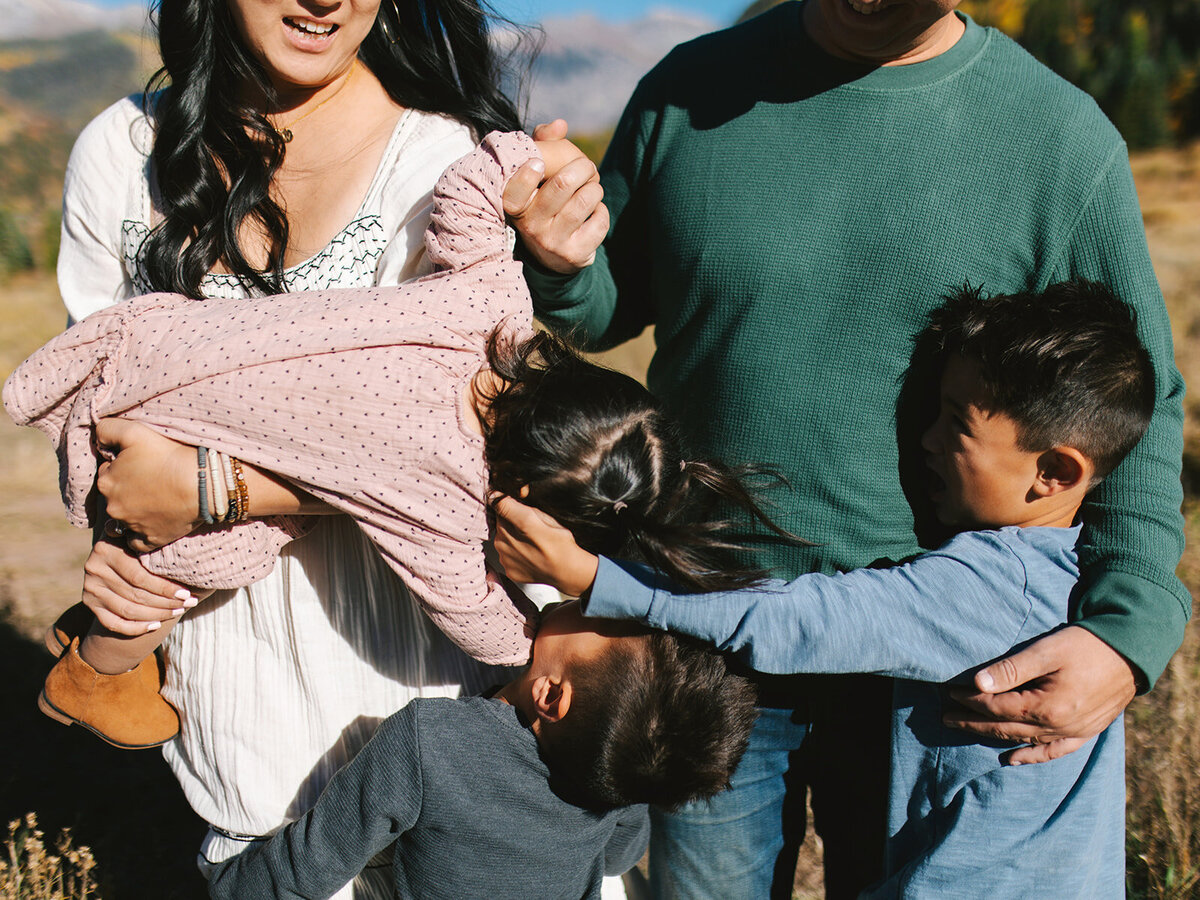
{"x":285,"y":133}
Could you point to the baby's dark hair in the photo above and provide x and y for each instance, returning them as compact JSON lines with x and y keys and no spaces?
{"x":597,"y":453}
{"x":658,"y":718}
{"x":1065,"y":364}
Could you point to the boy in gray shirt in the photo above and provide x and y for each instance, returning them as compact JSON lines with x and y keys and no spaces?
{"x":537,"y":791}
{"x":1042,"y":394}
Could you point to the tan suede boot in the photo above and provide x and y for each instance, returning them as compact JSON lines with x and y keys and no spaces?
{"x":123,"y":710}
{"x":75,"y":623}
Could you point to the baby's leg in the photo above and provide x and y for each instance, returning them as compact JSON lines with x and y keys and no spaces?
{"x":109,"y":683}
{"x":110,"y":653}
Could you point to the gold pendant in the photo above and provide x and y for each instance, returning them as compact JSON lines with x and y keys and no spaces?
{"x":285,"y":134}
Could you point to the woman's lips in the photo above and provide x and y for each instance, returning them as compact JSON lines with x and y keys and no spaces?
{"x":308,"y":30}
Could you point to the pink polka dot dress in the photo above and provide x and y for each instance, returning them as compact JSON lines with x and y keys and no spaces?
{"x":355,"y":395}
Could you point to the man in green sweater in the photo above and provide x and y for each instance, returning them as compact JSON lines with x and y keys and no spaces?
{"x":788,"y":199}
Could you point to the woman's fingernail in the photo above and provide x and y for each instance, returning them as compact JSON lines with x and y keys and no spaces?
{"x":176,"y":613}
{"x":537,"y":165}
{"x":985,"y":681}
{"x":153,"y":626}
{"x":188,"y":604}
{"x":184,"y":594}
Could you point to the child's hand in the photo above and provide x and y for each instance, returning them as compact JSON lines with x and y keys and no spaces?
{"x":534,"y":548}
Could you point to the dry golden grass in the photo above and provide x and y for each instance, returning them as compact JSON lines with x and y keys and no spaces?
{"x":31,"y":871}
{"x":40,"y":555}
{"x":1163,"y":858}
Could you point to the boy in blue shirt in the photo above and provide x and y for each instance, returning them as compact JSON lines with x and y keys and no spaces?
{"x":1042,"y":394}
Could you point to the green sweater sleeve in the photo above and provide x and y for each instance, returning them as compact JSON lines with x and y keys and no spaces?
{"x":1132,"y":540}
{"x":609,"y":301}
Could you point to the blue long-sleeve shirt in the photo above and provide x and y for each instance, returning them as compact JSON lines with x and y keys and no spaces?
{"x":960,"y":823}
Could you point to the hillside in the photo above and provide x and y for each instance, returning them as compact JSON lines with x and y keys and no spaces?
{"x":68,"y":80}
{"x":49,"y":89}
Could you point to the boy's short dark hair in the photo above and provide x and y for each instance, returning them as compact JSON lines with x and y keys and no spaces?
{"x":658,"y":719}
{"x":1065,"y":364}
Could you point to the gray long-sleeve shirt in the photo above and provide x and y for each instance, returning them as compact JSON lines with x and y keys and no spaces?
{"x":960,"y":824}
{"x":458,"y":787}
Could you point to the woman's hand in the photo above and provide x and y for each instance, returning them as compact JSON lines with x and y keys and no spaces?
{"x":555,"y":203}
{"x":150,"y":484}
{"x":125,"y":597}
{"x":535,"y":549}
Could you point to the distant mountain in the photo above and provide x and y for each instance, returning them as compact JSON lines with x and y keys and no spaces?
{"x":587,"y":68}
{"x":49,"y":89}
{"x":67,"y":80}
{"x":55,"y":18}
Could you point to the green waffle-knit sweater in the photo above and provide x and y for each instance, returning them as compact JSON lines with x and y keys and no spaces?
{"x":786,"y":221}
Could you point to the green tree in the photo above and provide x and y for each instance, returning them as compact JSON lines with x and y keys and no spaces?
{"x":15,"y":255}
{"x":51,"y":234}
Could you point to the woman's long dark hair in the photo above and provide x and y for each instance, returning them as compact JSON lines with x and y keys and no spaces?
{"x":598,"y":454}
{"x":214,"y":157}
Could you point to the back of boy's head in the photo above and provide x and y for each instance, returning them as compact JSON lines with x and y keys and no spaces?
{"x":1065,"y":364}
{"x":656,"y":719}
{"x":596,"y":452}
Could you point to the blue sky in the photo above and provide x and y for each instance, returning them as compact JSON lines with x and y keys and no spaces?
{"x":720,"y":11}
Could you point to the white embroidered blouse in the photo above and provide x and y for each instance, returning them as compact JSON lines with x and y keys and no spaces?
{"x":281,"y":683}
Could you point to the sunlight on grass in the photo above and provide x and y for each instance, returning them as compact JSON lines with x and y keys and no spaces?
{"x":32,"y":871}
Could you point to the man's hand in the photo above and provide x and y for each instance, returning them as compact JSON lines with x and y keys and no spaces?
{"x":534,"y":548}
{"x":1056,"y":694}
{"x":556,"y":203}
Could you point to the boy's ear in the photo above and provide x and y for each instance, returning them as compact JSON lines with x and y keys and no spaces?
{"x":551,"y":697}
{"x":1061,"y":469}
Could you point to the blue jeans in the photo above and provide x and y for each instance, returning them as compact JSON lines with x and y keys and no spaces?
{"x":743,"y":844}
{"x":729,"y":846}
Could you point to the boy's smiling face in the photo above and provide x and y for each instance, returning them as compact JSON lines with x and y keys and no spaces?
{"x":984,"y":479}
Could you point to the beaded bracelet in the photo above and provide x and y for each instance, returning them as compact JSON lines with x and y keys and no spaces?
{"x":202,"y":483}
{"x":231,"y":482}
{"x":219,"y":499}
{"x":243,"y":492}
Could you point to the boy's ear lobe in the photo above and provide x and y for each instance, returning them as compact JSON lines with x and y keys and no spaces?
{"x":551,"y":697}
{"x":1060,"y":469}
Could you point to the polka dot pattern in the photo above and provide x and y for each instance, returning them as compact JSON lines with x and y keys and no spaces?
{"x":355,"y":395}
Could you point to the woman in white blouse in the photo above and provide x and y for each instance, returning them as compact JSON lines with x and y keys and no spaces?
{"x":292,"y":147}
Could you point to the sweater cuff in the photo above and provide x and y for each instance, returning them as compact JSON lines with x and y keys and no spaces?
{"x":550,"y":288}
{"x":622,"y":590}
{"x":1139,"y":619}
{"x":581,"y":306}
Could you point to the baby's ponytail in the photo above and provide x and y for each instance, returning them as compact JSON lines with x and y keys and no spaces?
{"x":597,"y":453}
